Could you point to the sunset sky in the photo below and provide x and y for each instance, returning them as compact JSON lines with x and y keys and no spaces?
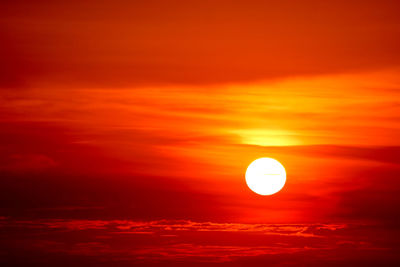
{"x":126,"y":128}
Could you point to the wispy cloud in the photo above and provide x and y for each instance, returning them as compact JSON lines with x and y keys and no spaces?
{"x":165,"y":227}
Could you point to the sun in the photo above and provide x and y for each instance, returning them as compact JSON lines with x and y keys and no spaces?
{"x":265,"y":176}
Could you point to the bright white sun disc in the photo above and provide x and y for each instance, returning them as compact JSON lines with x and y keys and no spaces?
{"x":265,"y":176}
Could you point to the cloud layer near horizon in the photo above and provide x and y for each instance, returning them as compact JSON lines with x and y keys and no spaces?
{"x":174,"y":241}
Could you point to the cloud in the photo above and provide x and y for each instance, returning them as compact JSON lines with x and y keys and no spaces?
{"x":28,"y":162}
{"x":166,"y":227}
{"x":165,"y":241}
{"x":382,"y":154}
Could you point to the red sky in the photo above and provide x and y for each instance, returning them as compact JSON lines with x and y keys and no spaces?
{"x":127,"y":113}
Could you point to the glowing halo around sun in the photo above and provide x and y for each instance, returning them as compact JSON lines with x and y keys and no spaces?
{"x":265,"y":176}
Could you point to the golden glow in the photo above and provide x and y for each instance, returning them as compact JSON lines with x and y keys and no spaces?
{"x":263,"y":137}
{"x":265,"y":176}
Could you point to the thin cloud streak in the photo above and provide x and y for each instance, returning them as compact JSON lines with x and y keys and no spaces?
{"x":132,"y":227}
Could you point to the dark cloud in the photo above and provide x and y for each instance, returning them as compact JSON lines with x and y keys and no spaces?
{"x":383,"y":154}
{"x":193,"y":243}
{"x":377,"y":200}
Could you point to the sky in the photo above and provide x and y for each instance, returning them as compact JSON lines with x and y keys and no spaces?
{"x":126,"y":129}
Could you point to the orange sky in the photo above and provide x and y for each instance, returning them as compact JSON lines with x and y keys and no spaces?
{"x":153,"y":110}
{"x":324,"y":129}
